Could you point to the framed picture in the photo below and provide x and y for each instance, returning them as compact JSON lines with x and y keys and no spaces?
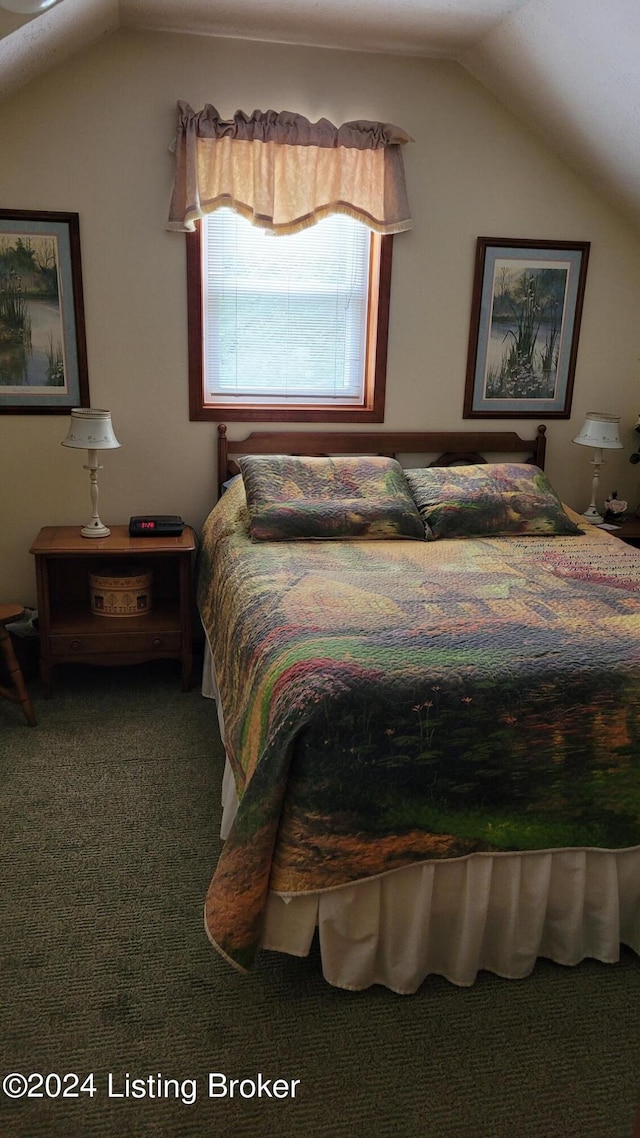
{"x":525,"y":323}
{"x":43,"y":352}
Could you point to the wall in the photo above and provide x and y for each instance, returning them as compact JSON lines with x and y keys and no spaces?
{"x":93,"y":137}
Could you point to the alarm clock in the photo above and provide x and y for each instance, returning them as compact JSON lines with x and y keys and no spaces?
{"x":155,"y":525}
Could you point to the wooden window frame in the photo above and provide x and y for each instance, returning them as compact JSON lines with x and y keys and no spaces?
{"x":371,"y":410}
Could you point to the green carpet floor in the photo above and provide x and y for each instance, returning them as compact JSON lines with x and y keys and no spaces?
{"x":108,"y":839}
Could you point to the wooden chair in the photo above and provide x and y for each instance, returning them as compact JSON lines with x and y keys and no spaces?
{"x":18,"y":693}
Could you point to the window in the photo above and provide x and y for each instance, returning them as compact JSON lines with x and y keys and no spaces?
{"x":287,"y":327}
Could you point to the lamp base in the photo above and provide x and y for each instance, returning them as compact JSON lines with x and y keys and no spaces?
{"x":591,"y":515}
{"x":95,"y":528}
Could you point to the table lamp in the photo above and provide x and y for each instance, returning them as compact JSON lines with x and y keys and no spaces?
{"x":91,"y":429}
{"x":599,"y":431}
{"x":27,"y":7}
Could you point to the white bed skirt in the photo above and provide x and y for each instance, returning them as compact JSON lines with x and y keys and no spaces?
{"x":455,"y":917}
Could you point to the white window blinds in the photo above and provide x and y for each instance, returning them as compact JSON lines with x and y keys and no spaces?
{"x":284,"y":317}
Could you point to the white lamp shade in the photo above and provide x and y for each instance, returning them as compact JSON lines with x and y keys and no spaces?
{"x":91,"y":429}
{"x":27,"y":7}
{"x":600,"y":430}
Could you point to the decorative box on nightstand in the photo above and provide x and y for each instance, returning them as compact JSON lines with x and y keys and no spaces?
{"x":70,"y":631}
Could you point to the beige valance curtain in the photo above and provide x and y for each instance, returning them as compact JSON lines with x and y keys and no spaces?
{"x":284,"y":173}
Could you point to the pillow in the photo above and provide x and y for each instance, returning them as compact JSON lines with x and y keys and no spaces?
{"x":294,"y":498}
{"x":229,"y":483}
{"x":494,"y":500}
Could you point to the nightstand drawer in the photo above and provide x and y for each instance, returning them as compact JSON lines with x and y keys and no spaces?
{"x":85,"y":644}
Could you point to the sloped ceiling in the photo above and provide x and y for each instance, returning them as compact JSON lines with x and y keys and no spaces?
{"x":570,"y":69}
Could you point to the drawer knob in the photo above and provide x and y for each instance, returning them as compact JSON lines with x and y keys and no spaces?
{"x":157,"y":642}
{"x":75,"y":645}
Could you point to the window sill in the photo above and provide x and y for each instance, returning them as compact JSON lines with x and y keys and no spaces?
{"x":222,"y":413}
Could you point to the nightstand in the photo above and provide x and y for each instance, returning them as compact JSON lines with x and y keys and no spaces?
{"x":628,"y":531}
{"x":70,"y":631}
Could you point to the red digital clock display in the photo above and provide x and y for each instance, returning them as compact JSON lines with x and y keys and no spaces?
{"x":154,"y":525}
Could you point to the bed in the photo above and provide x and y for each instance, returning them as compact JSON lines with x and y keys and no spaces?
{"x":431,"y":727}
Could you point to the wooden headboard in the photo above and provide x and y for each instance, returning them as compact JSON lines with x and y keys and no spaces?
{"x":452,"y":447}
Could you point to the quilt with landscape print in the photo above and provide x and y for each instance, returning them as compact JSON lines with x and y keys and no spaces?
{"x":390,"y":702}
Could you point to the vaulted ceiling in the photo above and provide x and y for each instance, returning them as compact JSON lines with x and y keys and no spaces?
{"x":570,"y":69}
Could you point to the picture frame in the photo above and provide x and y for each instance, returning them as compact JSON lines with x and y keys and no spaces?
{"x":526,"y":311}
{"x":43,"y":351}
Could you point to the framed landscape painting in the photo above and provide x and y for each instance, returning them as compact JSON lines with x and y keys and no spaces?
{"x":525,"y":323}
{"x":43,"y":354}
